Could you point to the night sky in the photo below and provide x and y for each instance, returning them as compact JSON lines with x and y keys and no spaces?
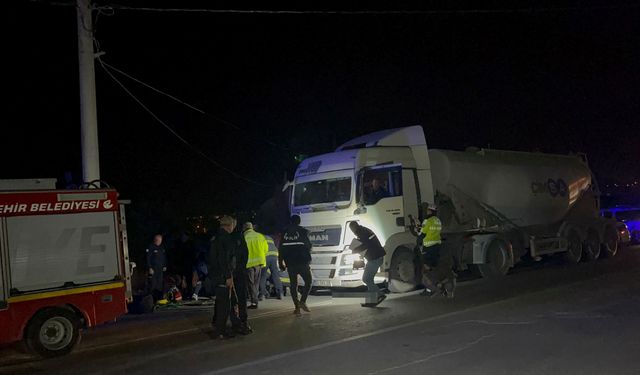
{"x":278,"y":85}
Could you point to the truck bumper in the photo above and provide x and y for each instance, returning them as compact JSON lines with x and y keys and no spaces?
{"x":329,"y":271}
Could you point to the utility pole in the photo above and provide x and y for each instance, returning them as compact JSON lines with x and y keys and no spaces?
{"x":88,"y":111}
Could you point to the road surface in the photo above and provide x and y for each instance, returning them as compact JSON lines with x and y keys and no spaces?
{"x":546,"y":318}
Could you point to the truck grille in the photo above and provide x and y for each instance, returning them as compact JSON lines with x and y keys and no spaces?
{"x":323,"y":261}
{"x":323,"y":274}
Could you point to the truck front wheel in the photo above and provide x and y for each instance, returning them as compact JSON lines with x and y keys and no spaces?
{"x":402,"y":275}
{"x":53,"y":332}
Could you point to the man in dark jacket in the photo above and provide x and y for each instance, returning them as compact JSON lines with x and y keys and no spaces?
{"x":225,"y":259}
{"x":374,"y":253}
{"x":156,"y":263}
{"x":295,"y":256}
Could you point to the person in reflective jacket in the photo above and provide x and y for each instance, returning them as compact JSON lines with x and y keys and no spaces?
{"x":436,"y":268}
{"x":256,"y":261}
{"x":295,"y":256}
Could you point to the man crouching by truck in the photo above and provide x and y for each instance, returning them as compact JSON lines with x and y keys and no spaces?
{"x":436,"y":266}
{"x":374,"y":253}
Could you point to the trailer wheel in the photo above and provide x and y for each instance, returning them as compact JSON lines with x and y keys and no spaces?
{"x":402,"y":275}
{"x":53,"y":332}
{"x":574,"y":250}
{"x":497,"y":262}
{"x":610,"y":242}
{"x":591,"y":247}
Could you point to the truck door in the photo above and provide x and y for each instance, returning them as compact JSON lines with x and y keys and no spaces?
{"x":380,"y":190}
{"x":410,"y":195}
{"x":4,"y":271}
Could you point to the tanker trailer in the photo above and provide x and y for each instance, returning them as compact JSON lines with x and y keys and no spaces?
{"x":498,"y":207}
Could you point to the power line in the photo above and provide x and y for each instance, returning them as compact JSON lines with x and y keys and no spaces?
{"x":111,"y":7}
{"x":189,"y":145}
{"x":229,"y":123}
{"x":375,"y":12}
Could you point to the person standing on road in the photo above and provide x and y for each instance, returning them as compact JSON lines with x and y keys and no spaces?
{"x":239,"y":320}
{"x":295,"y":256}
{"x":223,"y":260}
{"x":257,"y":260}
{"x":436,"y":268}
{"x":374,"y":253}
{"x":157,"y":264}
{"x":272,"y":266}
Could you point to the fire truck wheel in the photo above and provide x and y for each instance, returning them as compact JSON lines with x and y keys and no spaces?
{"x":53,"y":332}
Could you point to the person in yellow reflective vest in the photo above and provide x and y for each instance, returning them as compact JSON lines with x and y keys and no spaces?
{"x":256,"y":260}
{"x":272,"y":266}
{"x":436,"y":268}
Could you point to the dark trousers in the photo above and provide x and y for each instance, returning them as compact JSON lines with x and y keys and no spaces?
{"x":253,"y":282}
{"x":157,"y":284}
{"x":440,"y":263}
{"x":222,"y":308}
{"x":272,"y":265}
{"x":239,"y":281}
{"x":305,"y":272}
{"x":226,"y":301}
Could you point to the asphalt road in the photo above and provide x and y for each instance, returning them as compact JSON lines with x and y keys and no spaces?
{"x":546,"y":318}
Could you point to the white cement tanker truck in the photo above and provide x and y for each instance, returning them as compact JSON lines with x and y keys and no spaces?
{"x":497,"y":207}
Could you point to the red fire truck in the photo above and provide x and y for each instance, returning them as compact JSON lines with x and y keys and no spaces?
{"x":64,"y":266}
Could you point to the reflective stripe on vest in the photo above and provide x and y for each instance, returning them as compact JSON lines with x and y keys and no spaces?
{"x":273,"y":250}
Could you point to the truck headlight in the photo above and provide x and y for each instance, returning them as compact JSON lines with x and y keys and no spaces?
{"x":354,"y":260}
{"x":358,"y":263}
{"x":348,"y":259}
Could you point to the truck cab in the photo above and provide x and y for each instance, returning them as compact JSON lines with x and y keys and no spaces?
{"x":377,"y":180}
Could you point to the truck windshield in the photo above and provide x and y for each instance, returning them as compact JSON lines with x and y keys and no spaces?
{"x":332,"y":190}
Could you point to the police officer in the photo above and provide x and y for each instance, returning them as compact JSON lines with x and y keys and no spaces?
{"x":436,"y":268}
{"x":157,"y":264}
{"x":295,"y":256}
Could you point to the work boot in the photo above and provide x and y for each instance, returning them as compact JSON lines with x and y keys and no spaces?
{"x":381,"y":298}
{"x":222,"y":335}
{"x":449,"y":288}
{"x":243,"y":329}
{"x":297,"y":312}
{"x":427,"y":292}
{"x":304,"y":307}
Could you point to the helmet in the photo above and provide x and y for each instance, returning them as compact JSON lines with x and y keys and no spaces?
{"x":429,"y":206}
